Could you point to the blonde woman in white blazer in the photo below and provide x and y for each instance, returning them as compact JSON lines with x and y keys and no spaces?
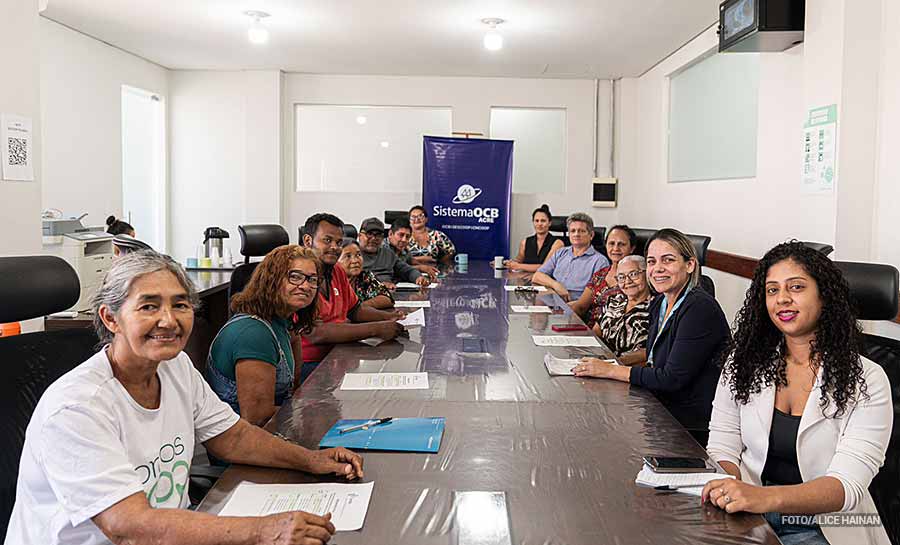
{"x":800,"y":419}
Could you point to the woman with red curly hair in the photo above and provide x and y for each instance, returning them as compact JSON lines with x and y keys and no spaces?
{"x":251,"y":363}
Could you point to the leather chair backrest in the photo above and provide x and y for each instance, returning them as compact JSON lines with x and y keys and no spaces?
{"x":599,"y":240}
{"x":390,"y":216}
{"x":558,"y":225}
{"x":820,"y":247}
{"x":886,"y":353}
{"x":29,"y":363}
{"x":260,"y":239}
{"x":35,"y":286}
{"x":350,"y":231}
{"x":643,"y":235}
{"x":875,"y":289}
{"x":700,"y":243}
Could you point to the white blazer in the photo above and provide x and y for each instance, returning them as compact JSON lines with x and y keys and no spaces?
{"x":850,"y":448}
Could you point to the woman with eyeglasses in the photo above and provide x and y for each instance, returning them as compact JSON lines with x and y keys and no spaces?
{"x":251,"y":362}
{"x":625,"y":324}
{"x":603,"y":288}
{"x":428,"y":246}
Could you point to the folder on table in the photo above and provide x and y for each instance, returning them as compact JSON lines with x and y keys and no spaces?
{"x":400,"y":435}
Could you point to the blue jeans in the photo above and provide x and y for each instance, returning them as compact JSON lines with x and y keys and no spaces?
{"x":796,"y":534}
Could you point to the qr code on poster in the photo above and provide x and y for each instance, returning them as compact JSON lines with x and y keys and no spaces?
{"x":18,"y":152}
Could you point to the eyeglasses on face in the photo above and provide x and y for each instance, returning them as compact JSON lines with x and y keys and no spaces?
{"x":374,"y":234}
{"x":298,"y":278}
{"x":417,"y":216}
{"x":633,"y":275}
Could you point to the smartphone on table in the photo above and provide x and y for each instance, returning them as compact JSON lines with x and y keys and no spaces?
{"x":678,"y":464}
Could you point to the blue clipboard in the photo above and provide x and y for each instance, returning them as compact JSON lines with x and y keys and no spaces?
{"x":398,"y":435}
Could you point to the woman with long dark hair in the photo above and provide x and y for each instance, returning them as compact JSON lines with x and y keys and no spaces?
{"x":534,"y":250}
{"x":800,"y":419}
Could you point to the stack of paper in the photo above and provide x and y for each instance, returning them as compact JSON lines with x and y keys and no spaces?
{"x":532,"y":309}
{"x":413,"y":319}
{"x":565,"y":340}
{"x":687,"y":483}
{"x":385,"y":381}
{"x":560,"y":366}
{"x":347,"y":503}
{"x":412,"y":304}
{"x":414,"y":286}
{"x":524,"y":288}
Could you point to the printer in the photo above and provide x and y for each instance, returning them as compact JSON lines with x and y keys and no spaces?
{"x":90,"y":253}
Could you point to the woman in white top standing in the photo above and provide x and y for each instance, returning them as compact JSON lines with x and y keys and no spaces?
{"x":800,"y":419}
{"x":108,"y":450}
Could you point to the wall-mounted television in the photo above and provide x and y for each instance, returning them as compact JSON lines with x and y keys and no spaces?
{"x":760,"y":25}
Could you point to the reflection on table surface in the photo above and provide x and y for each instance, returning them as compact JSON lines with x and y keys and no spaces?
{"x":563,"y":452}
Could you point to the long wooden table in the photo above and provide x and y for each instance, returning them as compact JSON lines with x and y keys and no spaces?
{"x":563,"y":450}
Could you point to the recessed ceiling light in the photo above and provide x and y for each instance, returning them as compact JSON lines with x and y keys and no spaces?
{"x":361,"y":119}
{"x":493,"y":41}
{"x":385,"y":144}
{"x":257,"y":34}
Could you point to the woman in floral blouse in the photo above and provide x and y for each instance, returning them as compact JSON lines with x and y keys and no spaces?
{"x":626,"y":322}
{"x":603,"y":288}
{"x":368,"y":288}
{"x":428,"y":246}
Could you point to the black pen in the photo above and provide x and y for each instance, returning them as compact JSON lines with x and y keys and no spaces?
{"x":366,"y":425}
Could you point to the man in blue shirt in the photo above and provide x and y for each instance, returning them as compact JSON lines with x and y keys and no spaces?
{"x":569,"y":270}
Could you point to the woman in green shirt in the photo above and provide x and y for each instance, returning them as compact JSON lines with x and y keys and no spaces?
{"x":251,"y":360}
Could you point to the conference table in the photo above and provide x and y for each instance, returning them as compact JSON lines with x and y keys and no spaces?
{"x":526,"y":458}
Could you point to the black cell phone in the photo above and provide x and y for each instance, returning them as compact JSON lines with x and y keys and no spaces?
{"x":678,"y":464}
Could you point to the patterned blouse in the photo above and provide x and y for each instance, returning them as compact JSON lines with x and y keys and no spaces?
{"x":368,"y":287}
{"x":601,"y":293}
{"x":625,"y":331}
{"x":438,"y":246}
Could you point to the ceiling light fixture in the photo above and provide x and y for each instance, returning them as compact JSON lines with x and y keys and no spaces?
{"x":257,"y":34}
{"x":493,"y":41}
{"x":361,"y":119}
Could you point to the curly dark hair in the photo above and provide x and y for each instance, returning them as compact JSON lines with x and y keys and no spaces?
{"x":752,"y":360}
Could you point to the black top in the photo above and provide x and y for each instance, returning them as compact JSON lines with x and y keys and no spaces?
{"x":781,"y":462}
{"x":684,"y":373}
{"x":533,"y":256}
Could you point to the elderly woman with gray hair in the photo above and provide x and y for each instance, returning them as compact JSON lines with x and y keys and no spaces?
{"x":108,"y":450}
{"x":625,"y":323}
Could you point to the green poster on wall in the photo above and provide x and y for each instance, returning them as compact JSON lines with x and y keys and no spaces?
{"x":820,"y":150}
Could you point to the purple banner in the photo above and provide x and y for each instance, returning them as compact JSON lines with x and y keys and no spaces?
{"x":466,"y":187}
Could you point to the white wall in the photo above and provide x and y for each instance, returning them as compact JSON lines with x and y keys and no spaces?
{"x":20,"y":202}
{"x":81,"y":96}
{"x":749,"y":216}
{"x":471,"y":100}
{"x":225,"y":146}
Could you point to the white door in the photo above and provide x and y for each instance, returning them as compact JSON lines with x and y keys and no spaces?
{"x":144,"y":165}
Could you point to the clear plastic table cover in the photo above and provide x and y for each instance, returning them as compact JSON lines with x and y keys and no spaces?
{"x":564,"y":451}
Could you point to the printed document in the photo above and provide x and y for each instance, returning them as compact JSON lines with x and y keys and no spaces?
{"x":532,"y":309}
{"x":347,"y":503}
{"x":385,"y":381}
{"x":412,"y":304}
{"x":413,"y":319}
{"x":565,"y":340}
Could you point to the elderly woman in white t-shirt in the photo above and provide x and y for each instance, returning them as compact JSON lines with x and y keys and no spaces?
{"x":108,"y":450}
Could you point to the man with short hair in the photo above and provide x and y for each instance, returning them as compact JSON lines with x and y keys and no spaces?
{"x":380,"y":260}
{"x":398,"y":241}
{"x":341,"y":317}
{"x":569,"y":270}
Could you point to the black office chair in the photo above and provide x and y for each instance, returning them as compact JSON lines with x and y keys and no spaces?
{"x":820,"y":247}
{"x":599,"y":240}
{"x":559,"y":228}
{"x":643,"y":235}
{"x":256,"y":240}
{"x":875,"y":289}
{"x":32,"y":286}
{"x":392,"y":215}
{"x":350,"y":231}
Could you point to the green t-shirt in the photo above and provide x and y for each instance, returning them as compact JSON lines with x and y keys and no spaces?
{"x":249,"y":339}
